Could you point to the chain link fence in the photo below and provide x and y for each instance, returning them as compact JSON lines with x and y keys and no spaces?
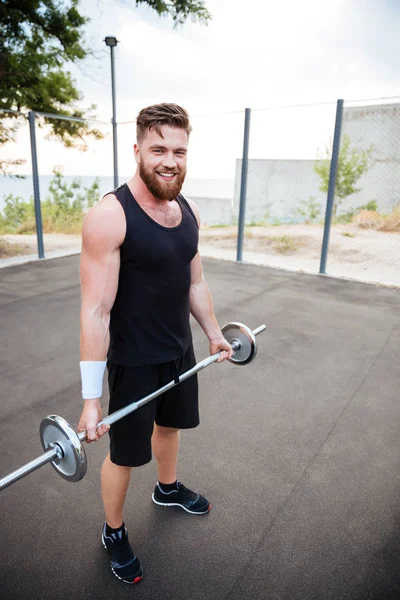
{"x":287,"y":180}
{"x":284,"y":205}
{"x":87,"y":159}
{"x":370,"y":146}
{"x":366,"y":211}
{"x":288,"y":172}
{"x":283,"y":147}
{"x":56,"y":182}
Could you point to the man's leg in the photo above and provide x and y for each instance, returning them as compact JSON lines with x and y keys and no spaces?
{"x":114,"y":484}
{"x":169,"y":491}
{"x":165,"y":445}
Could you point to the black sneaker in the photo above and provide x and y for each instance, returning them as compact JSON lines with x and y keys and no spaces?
{"x":124,"y":564}
{"x":190,"y":501}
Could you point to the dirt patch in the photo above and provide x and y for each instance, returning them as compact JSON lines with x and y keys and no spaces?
{"x":392,"y":222}
{"x":368,"y":219}
{"x":358,"y":253}
{"x":8,"y":249}
{"x":354,"y":252}
{"x":346,"y":241}
{"x":18,"y":244}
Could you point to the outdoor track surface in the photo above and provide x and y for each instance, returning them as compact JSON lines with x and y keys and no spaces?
{"x":299,"y":452}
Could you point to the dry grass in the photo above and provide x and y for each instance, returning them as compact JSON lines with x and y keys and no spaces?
{"x":8,"y":249}
{"x":256,"y":239}
{"x":368,"y":219}
{"x":282,"y":244}
{"x":392,"y":221}
{"x":68,"y":224}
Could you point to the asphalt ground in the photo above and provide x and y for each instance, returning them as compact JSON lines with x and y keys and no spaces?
{"x":299,"y":452}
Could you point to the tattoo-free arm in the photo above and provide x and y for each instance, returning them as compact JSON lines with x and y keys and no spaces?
{"x":102,"y":234}
{"x":99,"y":271}
{"x":201,"y":306}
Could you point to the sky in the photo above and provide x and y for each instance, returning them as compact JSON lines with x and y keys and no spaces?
{"x":260,"y":54}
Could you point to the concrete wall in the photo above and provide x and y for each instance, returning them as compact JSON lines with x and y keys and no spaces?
{"x":215,"y":211}
{"x":277,"y":187}
{"x":377,"y":127}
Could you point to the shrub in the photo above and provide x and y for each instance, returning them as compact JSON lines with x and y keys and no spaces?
{"x":368,"y":219}
{"x":344,"y":218}
{"x":310,"y":211}
{"x":285,"y":244}
{"x":392,"y":221}
{"x":371,"y":205}
{"x":63,"y":209}
{"x":350,"y":215}
{"x":9,"y":249}
{"x":16,"y":210}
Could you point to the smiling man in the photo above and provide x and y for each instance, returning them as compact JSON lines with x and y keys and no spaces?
{"x":141,"y":277}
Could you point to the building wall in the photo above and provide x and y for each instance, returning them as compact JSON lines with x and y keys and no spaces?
{"x":376,"y":127}
{"x":215,"y":211}
{"x":277,"y":187}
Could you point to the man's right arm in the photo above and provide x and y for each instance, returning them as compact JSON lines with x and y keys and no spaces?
{"x":102,"y":235}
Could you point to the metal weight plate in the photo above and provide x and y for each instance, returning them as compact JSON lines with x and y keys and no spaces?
{"x":246,"y":339}
{"x":56,"y":430}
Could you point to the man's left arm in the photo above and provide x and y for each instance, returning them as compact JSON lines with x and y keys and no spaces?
{"x":201,"y":305}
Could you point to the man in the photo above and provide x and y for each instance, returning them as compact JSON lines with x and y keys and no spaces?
{"x":141,"y":277}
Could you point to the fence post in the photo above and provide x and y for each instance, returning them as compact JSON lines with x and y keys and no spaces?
{"x":36,"y":192}
{"x":332,"y":184}
{"x":243,"y":185}
{"x":114,"y":119}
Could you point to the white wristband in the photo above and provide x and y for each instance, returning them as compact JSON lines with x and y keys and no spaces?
{"x":92,"y":373}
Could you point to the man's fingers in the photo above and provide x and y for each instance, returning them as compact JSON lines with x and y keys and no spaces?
{"x":102,"y":430}
{"x":91,"y":434}
{"x":94,"y":433}
{"x":224,"y":355}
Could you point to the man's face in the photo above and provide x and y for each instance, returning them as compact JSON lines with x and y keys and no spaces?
{"x":162,"y":161}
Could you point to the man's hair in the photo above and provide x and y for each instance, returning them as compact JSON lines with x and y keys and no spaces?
{"x":157,"y":115}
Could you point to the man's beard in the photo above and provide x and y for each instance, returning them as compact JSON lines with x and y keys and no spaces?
{"x":160,"y":189}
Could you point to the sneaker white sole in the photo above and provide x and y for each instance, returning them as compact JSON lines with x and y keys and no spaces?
{"x":204,"y":512}
{"x":117,"y":576}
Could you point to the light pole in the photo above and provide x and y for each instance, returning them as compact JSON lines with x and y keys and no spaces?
{"x":112,"y":42}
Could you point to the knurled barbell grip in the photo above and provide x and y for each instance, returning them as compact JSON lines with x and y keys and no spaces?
{"x":123,"y":412}
{"x":57,"y":450}
{"x":36,"y":463}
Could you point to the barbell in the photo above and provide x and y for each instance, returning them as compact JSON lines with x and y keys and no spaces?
{"x":63,"y":446}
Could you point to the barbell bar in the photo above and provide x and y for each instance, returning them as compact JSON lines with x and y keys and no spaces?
{"x":63,"y":446}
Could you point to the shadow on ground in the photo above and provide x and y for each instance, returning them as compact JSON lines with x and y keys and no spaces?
{"x":298,"y":451}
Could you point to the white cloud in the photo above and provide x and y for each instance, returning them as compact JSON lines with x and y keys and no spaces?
{"x":254,"y":53}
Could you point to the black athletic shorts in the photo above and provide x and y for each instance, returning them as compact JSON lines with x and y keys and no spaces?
{"x":130,"y":437}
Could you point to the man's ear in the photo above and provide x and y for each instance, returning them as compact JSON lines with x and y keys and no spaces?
{"x":136,"y":153}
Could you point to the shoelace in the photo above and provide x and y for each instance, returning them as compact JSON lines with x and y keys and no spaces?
{"x":189,"y":494}
{"x":122,"y":550}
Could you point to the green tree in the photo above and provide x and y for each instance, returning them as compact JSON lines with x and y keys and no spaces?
{"x":352,"y":164}
{"x":39,"y":40}
{"x":180,"y":10}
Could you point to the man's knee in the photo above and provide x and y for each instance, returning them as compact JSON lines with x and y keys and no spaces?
{"x":165,"y":431}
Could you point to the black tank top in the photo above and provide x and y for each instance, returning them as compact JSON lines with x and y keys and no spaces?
{"x":149,"y":321}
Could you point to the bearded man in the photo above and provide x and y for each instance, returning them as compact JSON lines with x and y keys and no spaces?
{"x":141,"y":278}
